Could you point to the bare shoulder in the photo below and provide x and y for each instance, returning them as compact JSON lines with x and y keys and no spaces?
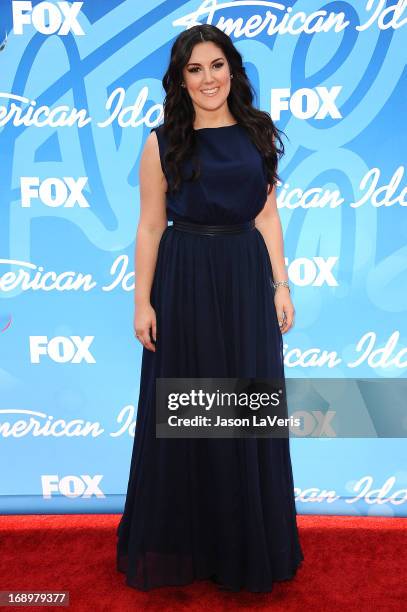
{"x":153,"y":183}
{"x":151,"y":147}
{"x":150,"y":161}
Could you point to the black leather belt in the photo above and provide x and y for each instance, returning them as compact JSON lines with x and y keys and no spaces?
{"x":213,"y":230}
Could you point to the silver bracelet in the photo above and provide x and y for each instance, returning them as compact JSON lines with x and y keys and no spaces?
{"x":283,"y":283}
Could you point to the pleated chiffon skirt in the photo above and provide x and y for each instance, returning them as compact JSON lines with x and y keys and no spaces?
{"x":209,"y":508}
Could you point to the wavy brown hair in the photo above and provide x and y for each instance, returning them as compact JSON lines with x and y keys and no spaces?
{"x":179,"y":113}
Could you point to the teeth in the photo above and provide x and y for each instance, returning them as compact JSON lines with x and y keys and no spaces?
{"x":210,"y":92}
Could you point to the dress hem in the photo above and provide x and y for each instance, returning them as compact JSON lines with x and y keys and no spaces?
{"x":212,"y":577}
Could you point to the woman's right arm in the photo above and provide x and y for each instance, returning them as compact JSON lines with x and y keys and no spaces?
{"x":152,"y":223}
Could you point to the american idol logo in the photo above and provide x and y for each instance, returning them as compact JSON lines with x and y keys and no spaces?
{"x":275,"y":18}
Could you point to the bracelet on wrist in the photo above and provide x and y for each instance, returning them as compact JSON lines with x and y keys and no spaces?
{"x":283,"y":283}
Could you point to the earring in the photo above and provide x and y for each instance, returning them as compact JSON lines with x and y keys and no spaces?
{"x":231,"y":76}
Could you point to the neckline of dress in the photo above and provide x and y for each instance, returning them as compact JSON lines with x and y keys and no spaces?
{"x":219,"y":127}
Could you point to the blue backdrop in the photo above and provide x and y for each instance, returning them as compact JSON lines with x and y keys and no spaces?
{"x":80,"y":87}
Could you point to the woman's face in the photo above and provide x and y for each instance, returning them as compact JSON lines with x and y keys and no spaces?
{"x":207,"y":76}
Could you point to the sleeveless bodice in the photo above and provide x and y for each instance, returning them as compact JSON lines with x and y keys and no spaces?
{"x":232,"y":187}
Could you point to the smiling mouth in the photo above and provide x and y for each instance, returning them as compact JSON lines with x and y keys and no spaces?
{"x":210,"y":92}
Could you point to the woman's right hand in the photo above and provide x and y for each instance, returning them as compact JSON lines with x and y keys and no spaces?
{"x":144,"y":321}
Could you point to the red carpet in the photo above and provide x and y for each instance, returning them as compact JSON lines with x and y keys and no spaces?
{"x":350,"y":564}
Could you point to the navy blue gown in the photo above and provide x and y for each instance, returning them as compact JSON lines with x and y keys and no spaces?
{"x":204,"y":508}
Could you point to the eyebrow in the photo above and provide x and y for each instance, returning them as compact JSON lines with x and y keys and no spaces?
{"x":198,"y":64}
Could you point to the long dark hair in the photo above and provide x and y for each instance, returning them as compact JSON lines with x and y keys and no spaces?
{"x":179,"y":113}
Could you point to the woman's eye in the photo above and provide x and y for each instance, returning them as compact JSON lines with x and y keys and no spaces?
{"x":195,"y":68}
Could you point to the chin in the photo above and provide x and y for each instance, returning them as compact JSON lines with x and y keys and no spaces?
{"x":215,"y":102}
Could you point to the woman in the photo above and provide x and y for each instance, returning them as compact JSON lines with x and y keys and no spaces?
{"x":212,"y":300}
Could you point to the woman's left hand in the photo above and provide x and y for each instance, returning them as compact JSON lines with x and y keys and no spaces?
{"x":284,"y":308}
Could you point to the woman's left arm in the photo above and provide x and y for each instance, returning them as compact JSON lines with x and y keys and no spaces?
{"x":269,"y":225}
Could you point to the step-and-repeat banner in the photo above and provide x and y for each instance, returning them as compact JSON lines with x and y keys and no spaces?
{"x":80,"y":88}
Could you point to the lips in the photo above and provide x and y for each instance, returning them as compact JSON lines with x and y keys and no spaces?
{"x":210,"y":92}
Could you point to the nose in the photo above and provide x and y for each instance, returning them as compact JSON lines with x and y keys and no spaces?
{"x":208,"y":78}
